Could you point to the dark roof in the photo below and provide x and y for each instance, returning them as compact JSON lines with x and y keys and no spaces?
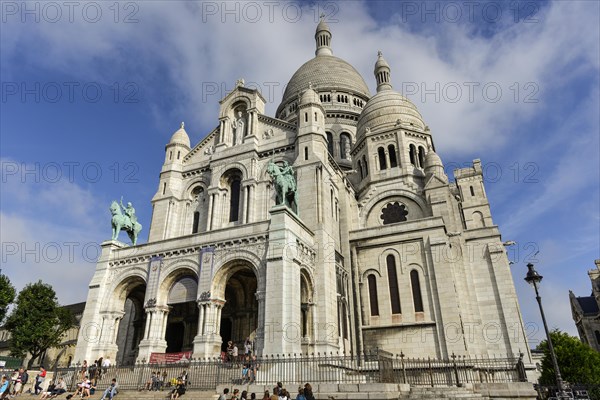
{"x":588,"y":305}
{"x":76,"y":309}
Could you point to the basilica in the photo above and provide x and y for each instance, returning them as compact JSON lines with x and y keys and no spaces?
{"x":372,"y":247}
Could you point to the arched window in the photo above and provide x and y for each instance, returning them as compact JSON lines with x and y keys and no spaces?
{"x":373,"y":301}
{"x":345,"y":146}
{"x":316,"y":117}
{"x":393,"y":159}
{"x":366,"y":165}
{"x":330,"y":143}
{"x":381,"y":155}
{"x":393,"y":282}
{"x":472,"y":191}
{"x":421,"y":156}
{"x":412,"y":152}
{"x":360,"y":169}
{"x":305,"y":117}
{"x":344,"y":322}
{"x":196,"y":222}
{"x":416,"y":290}
{"x":234,"y":198}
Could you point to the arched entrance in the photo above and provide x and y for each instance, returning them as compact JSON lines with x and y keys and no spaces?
{"x":182,"y":323}
{"x":239,"y":317}
{"x":131,"y":328}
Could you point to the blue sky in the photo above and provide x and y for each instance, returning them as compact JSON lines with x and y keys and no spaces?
{"x":91,"y":94}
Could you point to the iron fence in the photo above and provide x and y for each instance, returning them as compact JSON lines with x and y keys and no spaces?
{"x":374,"y":366}
{"x":577,"y":391}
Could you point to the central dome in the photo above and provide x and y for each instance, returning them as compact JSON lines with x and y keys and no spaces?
{"x":325,"y":73}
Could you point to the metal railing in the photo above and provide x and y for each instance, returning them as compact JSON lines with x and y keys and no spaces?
{"x":375,"y":366}
{"x":577,"y":391}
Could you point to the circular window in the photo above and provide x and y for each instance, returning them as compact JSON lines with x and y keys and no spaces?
{"x":393,"y":212}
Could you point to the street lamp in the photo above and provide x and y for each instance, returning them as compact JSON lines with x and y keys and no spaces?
{"x":533,"y":278}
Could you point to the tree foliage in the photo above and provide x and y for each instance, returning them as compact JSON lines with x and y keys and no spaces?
{"x":37,"y":322}
{"x":578,"y":362}
{"x":7,"y":295}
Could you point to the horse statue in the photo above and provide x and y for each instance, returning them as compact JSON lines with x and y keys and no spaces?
{"x":285,"y":185}
{"x":123,"y":222}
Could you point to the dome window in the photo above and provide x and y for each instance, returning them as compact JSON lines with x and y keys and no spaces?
{"x":392,"y":153}
{"x":393,"y":213}
{"x":381,"y":156}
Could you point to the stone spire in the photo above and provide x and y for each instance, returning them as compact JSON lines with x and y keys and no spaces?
{"x":382,"y":73}
{"x":323,"y":38}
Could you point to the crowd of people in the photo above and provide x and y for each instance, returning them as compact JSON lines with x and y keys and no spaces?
{"x":279,"y":393}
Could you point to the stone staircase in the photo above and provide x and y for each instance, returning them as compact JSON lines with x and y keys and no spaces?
{"x":454,"y":393}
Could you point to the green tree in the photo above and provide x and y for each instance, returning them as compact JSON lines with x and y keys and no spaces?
{"x":578,"y":362}
{"x":7,"y":295}
{"x":37,"y":322}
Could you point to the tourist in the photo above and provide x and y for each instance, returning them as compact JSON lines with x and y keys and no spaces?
{"x":284,"y":395}
{"x":18,"y":384}
{"x":236,"y":392}
{"x":184,"y":377}
{"x":179,"y":389}
{"x":21,"y":381}
{"x":49,"y":389}
{"x":13,"y":381}
{"x":39,"y":379}
{"x":59,"y":388}
{"x":308,"y":394}
{"x":234,"y":353}
{"x":224,"y":395}
{"x":111,"y":391}
{"x":99,"y":367}
{"x":247,"y":346}
{"x":253,"y":396}
{"x":105,"y":365}
{"x":266,"y":396}
{"x":253,"y":368}
{"x":229,"y":351}
{"x":244,"y":395}
{"x":150,"y":382}
{"x":300,"y":395}
{"x":275,"y":395}
{"x":164,"y":380}
{"x":4,"y":393}
{"x":245,"y":370}
{"x":84,"y":368}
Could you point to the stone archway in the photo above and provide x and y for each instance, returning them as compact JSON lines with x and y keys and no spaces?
{"x":239,"y":316}
{"x":182,"y":321}
{"x":131,"y":327}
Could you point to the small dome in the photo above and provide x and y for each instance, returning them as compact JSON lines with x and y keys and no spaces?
{"x":434,"y":166}
{"x":322,"y":26}
{"x":386,"y":109}
{"x":381,"y":63}
{"x":310,"y":96}
{"x":432,"y":159}
{"x":180,"y":137}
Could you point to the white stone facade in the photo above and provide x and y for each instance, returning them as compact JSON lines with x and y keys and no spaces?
{"x":383,"y":252}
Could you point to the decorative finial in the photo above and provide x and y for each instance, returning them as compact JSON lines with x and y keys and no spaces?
{"x":379,"y":53}
{"x":310,"y":85}
{"x":182,"y":125}
{"x":240,"y":82}
{"x":322,"y":16}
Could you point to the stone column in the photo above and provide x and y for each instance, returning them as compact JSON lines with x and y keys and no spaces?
{"x":260,"y":331}
{"x":209,"y":217}
{"x":207,"y":342}
{"x":153,"y":342}
{"x":108,"y":335}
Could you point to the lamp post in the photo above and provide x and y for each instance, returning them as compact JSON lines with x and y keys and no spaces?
{"x":533,"y":278}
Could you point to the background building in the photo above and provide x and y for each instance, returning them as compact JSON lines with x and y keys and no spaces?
{"x":381,"y":249}
{"x":586,"y":311}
